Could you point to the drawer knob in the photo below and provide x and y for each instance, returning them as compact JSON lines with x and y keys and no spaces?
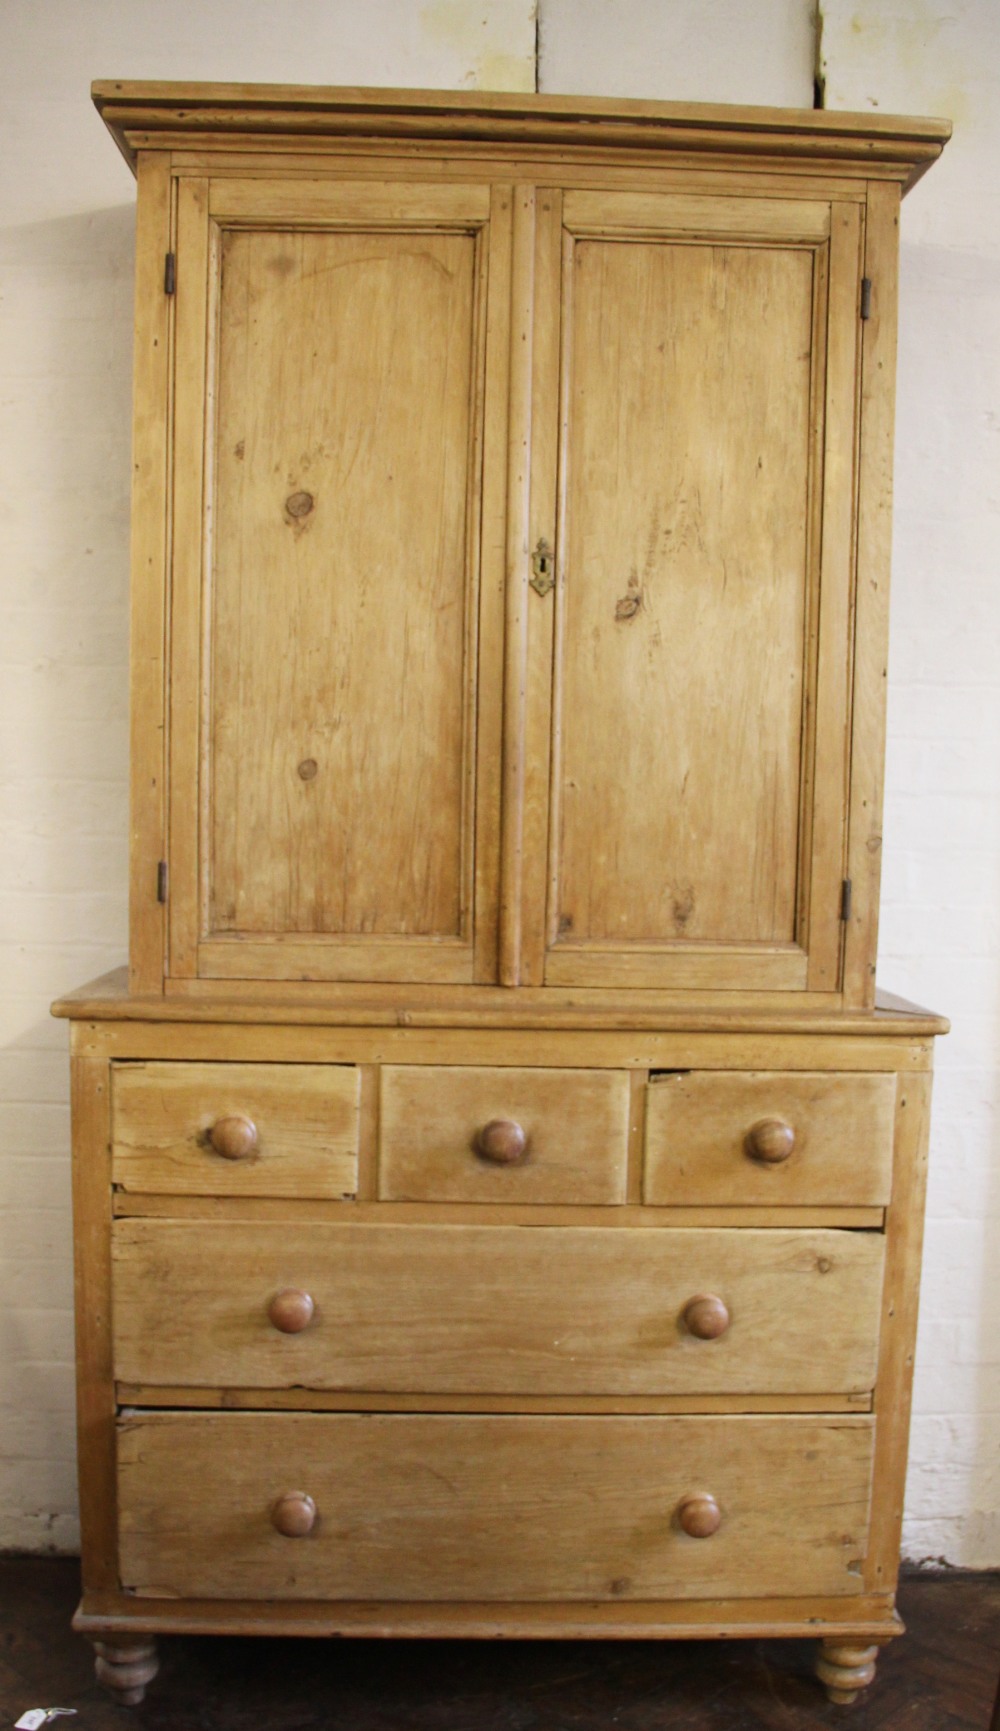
{"x":291,"y":1310}
{"x":502,"y":1141}
{"x":706,"y":1316}
{"x":294,"y":1515}
{"x":699,"y":1516}
{"x":234,"y":1138}
{"x":770,"y":1140}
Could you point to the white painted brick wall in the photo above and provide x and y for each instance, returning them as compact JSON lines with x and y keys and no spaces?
{"x":66,"y":220}
{"x":65,"y":317}
{"x":940,"y":937}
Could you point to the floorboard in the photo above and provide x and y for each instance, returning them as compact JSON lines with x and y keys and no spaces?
{"x":942,"y":1676}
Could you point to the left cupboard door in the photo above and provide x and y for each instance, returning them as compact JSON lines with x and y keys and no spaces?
{"x":337,"y":578}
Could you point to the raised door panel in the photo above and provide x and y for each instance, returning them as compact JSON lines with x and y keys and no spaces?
{"x":703,"y":558}
{"x":328,"y":710}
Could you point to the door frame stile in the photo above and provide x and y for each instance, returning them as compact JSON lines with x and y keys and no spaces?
{"x":522,"y":274}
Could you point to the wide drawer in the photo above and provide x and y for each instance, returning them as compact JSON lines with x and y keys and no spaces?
{"x":503,"y":1135}
{"x":753,"y":1137}
{"x":494,"y":1309}
{"x":411,"y":1507}
{"x":235,"y":1129}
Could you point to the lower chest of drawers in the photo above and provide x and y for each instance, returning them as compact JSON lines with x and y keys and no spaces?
{"x":448,"y":1332}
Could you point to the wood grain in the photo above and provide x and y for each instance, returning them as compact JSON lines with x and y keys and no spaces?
{"x":684,"y":598}
{"x":832,"y":605}
{"x":874,"y":553}
{"x":95,"y":1395}
{"x":147,"y":1394}
{"x":239,"y":1003}
{"x":697,"y":1127}
{"x":218,"y":114}
{"x":897,"y":1335}
{"x":339,"y":723}
{"x":714,"y":1619}
{"x":196,"y":253}
{"x":150,"y":558}
{"x":445,"y":1508}
{"x":305,"y":1117}
{"x":494,"y":1308}
{"x":575,"y":1123}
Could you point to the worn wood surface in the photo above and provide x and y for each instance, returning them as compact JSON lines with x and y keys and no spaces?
{"x":424,"y":350}
{"x":942,"y":1677}
{"x":592,"y":1045}
{"x":150,"y":554}
{"x":496,"y":1309}
{"x":304,"y":1120}
{"x":341,"y":722}
{"x":192,"y":381}
{"x":147,"y":1394}
{"x":463,"y":1507}
{"x":897,"y":1333}
{"x":317,"y":1208}
{"x":876,"y":425}
{"x":681,"y":589}
{"x":901,"y":147}
{"x":575,"y":1124}
{"x":841,"y":1133}
{"x":831,"y":609}
{"x":95,"y":1395}
{"x":107,"y":998}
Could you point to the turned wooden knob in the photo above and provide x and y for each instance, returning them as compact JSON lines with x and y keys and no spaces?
{"x":770,"y":1140}
{"x":291,"y":1311}
{"x":705,"y":1316}
{"x":294,"y":1515}
{"x":234,"y":1138}
{"x":699,"y":1516}
{"x":502,"y":1141}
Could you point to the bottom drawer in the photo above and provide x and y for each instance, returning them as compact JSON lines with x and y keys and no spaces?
{"x":451,"y":1507}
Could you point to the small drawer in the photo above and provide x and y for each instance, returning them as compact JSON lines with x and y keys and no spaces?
{"x":495,"y":1310}
{"x":497,"y":1135}
{"x":758,"y":1137}
{"x":378,"y":1506}
{"x":235,"y":1129}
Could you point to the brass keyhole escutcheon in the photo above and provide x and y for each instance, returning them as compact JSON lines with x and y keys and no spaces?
{"x":543,"y":576}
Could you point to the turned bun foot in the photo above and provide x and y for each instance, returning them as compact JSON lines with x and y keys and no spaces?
{"x":125,"y":1667}
{"x":845,"y":1668}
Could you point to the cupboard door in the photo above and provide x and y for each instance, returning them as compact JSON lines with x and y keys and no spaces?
{"x":335,"y":651}
{"x":701,"y":667}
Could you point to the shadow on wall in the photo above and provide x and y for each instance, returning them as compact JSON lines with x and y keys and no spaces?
{"x":65,"y":382}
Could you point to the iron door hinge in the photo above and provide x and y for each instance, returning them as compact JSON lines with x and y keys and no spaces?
{"x":161,"y":880}
{"x":170,"y":273}
{"x":866,"y":297}
{"x":845,"y":899}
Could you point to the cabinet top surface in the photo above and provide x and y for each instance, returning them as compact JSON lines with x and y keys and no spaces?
{"x":134,"y":108}
{"x":108,"y":999}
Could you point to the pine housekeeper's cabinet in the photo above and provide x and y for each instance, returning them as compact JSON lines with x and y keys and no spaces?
{"x":498,"y":1191}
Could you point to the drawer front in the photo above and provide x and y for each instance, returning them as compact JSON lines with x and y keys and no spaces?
{"x":452,"y":1507}
{"x":235,"y":1129}
{"x":494,"y":1309}
{"x":739,"y":1137}
{"x":499,"y":1135}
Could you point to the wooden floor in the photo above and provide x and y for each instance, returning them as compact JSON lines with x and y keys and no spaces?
{"x":941,"y":1677}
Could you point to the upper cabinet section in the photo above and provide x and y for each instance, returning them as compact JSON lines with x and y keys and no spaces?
{"x":510,"y":541}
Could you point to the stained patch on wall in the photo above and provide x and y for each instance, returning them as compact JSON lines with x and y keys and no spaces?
{"x":497,"y":42}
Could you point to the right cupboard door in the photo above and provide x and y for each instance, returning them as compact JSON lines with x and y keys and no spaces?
{"x":702,"y":512}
